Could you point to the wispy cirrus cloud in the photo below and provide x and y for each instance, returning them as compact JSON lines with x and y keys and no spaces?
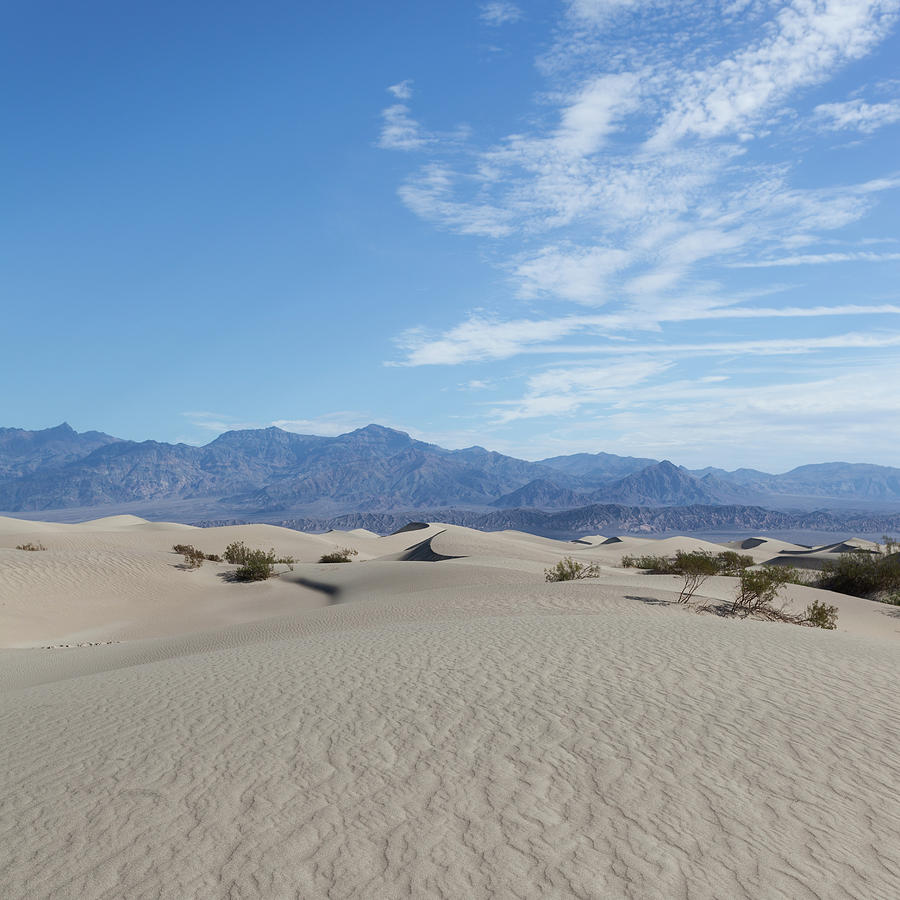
{"x":499,"y":12}
{"x":817,"y":259}
{"x":480,"y":338}
{"x":330,"y":424}
{"x":400,"y":131}
{"x":655,"y":177}
{"x":856,"y":115}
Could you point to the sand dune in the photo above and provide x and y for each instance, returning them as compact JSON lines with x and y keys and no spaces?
{"x":394,"y":728}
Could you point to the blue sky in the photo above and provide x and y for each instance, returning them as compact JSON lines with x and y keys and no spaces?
{"x":651,"y":228}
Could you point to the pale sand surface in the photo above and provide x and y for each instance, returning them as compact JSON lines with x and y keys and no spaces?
{"x":416,"y":729}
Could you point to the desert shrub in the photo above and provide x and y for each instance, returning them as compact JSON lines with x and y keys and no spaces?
{"x":862,"y":574}
{"x":287,"y":561}
{"x":656,"y":565}
{"x":344,"y":555}
{"x":891,"y":544}
{"x":726,"y":563}
{"x":568,"y":569}
{"x":732,"y":563}
{"x":30,"y":546}
{"x":236,"y":553}
{"x":193,"y":558}
{"x":694,"y":568}
{"x":820,"y":615}
{"x":257,"y":565}
{"x":758,"y":589}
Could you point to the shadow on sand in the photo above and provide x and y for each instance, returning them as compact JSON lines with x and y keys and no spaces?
{"x":651,"y":601}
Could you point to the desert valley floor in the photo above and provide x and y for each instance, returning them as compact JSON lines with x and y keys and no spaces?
{"x":431,"y":720}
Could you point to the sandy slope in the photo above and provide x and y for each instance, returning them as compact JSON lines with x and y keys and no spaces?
{"x":451,"y":729}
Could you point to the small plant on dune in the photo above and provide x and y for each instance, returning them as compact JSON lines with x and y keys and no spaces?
{"x":30,"y":546}
{"x":871,"y":575}
{"x":694,"y":568}
{"x":344,"y":555}
{"x":731,"y":563}
{"x":286,"y":561}
{"x":820,"y":615}
{"x":727,"y":563}
{"x":655,"y":565}
{"x":236,"y":553}
{"x":568,"y":569}
{"x":258,"y":565}
{"x":757,"y":591}
{"x":193,"y":558}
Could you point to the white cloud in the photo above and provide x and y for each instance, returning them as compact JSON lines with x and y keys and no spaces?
{"x":480,"y":338}
{"x":499,"y":12}
{"x":857,"y":115}
{"x":815,"y":259}
{"x":599,"y":10}
{"x":574,"y":274}
{"x":591,"y":115}
{"x":402,"y":90}
{"x":430,"y":195}
{"x":564,"y":391}
{"x":662,"y":156}
{"x":400,"y":131}
{"x":809,"y":41}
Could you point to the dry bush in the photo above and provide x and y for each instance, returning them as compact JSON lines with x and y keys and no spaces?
{"x":726,"y":563}
{"x":344,"y":555}
{"x":870,"y":575}
{"x":568,"y":569}
{"x":258,"y":565}
{"x":32,"y":547}
{"x":193,"y":558}
{"x":820,"y":615}
{"x":694,"y":568}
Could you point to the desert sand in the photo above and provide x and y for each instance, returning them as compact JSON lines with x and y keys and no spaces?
{"x":430,"y":720}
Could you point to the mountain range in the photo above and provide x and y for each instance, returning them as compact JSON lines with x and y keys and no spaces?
{"x":278,"y":474}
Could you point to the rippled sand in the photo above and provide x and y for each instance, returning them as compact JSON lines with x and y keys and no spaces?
{"x":451,"y":729}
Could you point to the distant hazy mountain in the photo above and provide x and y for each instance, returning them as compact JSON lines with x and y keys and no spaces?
{"x":540,"y":494}
{"x":664,"y":484}
{"x":22,"y":451}
{"x":597,"y":467}
{"x":375,"y":469}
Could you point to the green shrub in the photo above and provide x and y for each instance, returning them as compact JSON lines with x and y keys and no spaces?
{"x":344,"y":555}
{"x":257,"y":565}
{"x":731,"y":563}
{"x":237,"y":553}
{"x":726,"y":563}
{"x":655,"y":565}
{"x":694,"y":568}
{"x":31,"y":547}
{"x":862,"y":574}
{"x":820,"y":615}
{"x":758,"y":589}
{"x":193,"y":558}
{"x":568,"y":569}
